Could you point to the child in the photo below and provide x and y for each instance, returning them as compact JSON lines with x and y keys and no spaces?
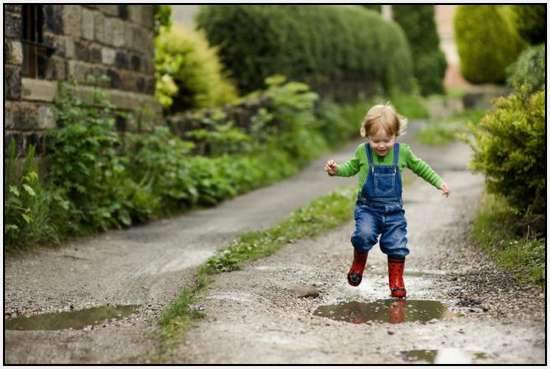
{"x":379,"y":207}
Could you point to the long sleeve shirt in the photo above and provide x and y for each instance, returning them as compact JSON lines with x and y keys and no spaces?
{"x":407,"y":159}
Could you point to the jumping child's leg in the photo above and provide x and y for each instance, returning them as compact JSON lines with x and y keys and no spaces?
{"x":363,"y":239}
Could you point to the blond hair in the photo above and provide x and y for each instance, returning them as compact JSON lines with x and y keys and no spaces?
{"x":384,"y":116}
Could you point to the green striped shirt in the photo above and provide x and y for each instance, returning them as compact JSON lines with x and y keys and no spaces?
{"x":360,"y":164}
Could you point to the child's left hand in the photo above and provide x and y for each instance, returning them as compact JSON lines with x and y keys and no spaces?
{"x":445,"y":189}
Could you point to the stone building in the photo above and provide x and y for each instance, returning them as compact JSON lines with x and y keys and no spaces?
{"x":47,"y":43}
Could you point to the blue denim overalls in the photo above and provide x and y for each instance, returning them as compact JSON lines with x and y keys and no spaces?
{"x":379,"y":210}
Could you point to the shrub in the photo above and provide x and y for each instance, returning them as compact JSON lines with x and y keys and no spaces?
{"x":529,"y":70}
{"x":375,"y":7}
{"x":509,"y":148}
{"x":162,"y":14}
{"x":188,"y":72}
{"x":33,"y":213}
{"x":487,"y":42}
{"x":338,"y":50}
{"x":417,"y":21}
{"x":84,"y":161}
{"x":530,"y":21}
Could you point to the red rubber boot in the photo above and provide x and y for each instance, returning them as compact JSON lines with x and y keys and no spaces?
{"x":395,"y":273}
{"x":355,"y":273}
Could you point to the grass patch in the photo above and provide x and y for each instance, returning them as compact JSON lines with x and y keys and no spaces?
{"x":318,"y":217}
{"x":496,"y":231}
{"x":410,"y":106}
{"x":450,"y":128}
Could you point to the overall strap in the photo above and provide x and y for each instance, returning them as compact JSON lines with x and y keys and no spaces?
{"x":396,"y":154}
{"x":369,"y":154}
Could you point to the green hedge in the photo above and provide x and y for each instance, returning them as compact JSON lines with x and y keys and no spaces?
{"x":510,"y":148}
{"x":188,"y":72}
{"x":335,"y":49}
{"x":530,"y":21}
{"x":487,"y":42}
{"x":529,"y":70}
{"x":429,"y":61}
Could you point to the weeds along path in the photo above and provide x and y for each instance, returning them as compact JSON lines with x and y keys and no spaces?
{"x":145,"y":265}
{"x":295,"y":307}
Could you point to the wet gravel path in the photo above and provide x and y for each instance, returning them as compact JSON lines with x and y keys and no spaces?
{"x":149,"y":265}
{"x":265,"y":313}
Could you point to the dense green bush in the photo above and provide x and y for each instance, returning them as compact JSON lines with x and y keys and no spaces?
{"x":33,"y":213}
{"x":337,"y":50}
{"x":487,"y":42}
{"x":84,"y":161}
{"x":510,"y":149}
{"x":429,"y":61}
{"x":530,"y":21}
{"x":529,"y":70}
{"x":163,"y":17}
{"x":188,"y":72}
{"x":376,"y":7}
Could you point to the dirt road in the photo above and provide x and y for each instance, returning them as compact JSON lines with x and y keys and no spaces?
{"x":255,"y":315}
{"x":295,"y":307}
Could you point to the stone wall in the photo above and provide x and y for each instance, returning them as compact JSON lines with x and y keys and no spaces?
{"x":111,"y":43}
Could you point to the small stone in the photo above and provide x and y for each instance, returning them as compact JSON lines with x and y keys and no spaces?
{"x":391,"y":333}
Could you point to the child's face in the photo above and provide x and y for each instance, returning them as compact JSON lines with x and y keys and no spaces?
{"x":381,"y":141}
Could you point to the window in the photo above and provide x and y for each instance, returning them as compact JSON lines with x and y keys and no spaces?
{"x":35,"y":53}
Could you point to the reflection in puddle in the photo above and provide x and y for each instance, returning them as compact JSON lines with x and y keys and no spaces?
{"x":384,"y":311}
{"x":69,"y":319}
{"x":443,"y":356}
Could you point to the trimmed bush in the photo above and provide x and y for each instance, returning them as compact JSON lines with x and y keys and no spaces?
{"x":188,"y":72}
{"x":529,"y":70}
{"x":487,"y":42}
{"x":429,"y":61}
{"x":339,"y":50}
{"x":375,"y":7}
{"x":509,"y":148}
{"x":530,"y":21}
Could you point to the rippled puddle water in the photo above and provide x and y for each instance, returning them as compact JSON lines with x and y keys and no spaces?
{"x":69,"y":319}
{"x":384,"y":311}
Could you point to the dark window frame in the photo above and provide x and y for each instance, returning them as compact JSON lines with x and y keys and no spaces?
{"x":35,"y":52}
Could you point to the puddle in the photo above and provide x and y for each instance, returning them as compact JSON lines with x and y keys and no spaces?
{"x":443,"y":356}
{"x":69,"y":319}
{"x":384,"y":311}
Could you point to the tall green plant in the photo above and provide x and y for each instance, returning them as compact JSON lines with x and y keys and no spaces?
{"x":85,"y":161}
{"x":32,"y":212}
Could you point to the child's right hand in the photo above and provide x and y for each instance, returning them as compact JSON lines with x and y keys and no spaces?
{"x":331,"y":167}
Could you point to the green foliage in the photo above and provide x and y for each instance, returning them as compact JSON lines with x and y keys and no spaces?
{"x":487,"y":42}
{"x":158,"y":163}
{"x":32,"y":213}
{"x":162,"y":14}
{"x":530,"y":21}
{"x":509,"y":148}
{"x":341,"y":122}
{"x":417,"y":21}
{"x":410,"y":106}
{"x":85,"y":163}
{"x":188,"y":72}
{"x":449,"y":129}
{"x":529,"y":70}
{"x":499,"y":230}
{"x":332,"y":48}
{"x":375,"y":7}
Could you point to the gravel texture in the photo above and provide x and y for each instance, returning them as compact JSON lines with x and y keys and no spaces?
{"x":263,"y":314}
